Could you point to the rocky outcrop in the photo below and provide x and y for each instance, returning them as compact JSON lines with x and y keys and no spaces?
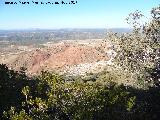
{"x":61,"y":56}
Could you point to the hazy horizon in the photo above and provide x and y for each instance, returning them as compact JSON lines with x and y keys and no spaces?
{"x":65,"y":28}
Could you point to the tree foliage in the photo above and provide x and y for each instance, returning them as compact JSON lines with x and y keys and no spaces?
{"x":139,"y":52}
{"x":50,"y":96}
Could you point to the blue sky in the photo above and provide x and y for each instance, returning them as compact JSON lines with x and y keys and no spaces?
{"x":84,"y":14}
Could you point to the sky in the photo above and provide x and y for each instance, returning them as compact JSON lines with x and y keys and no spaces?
{"x":83,"y":14}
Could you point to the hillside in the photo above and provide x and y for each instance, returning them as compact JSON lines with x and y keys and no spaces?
{"x":64,"y":56}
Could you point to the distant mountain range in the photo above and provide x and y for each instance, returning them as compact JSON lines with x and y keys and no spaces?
{"x":119,"y":30}
{"x":39,"y":36}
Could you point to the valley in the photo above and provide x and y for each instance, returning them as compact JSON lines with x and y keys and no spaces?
{"x":68,"y":51}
